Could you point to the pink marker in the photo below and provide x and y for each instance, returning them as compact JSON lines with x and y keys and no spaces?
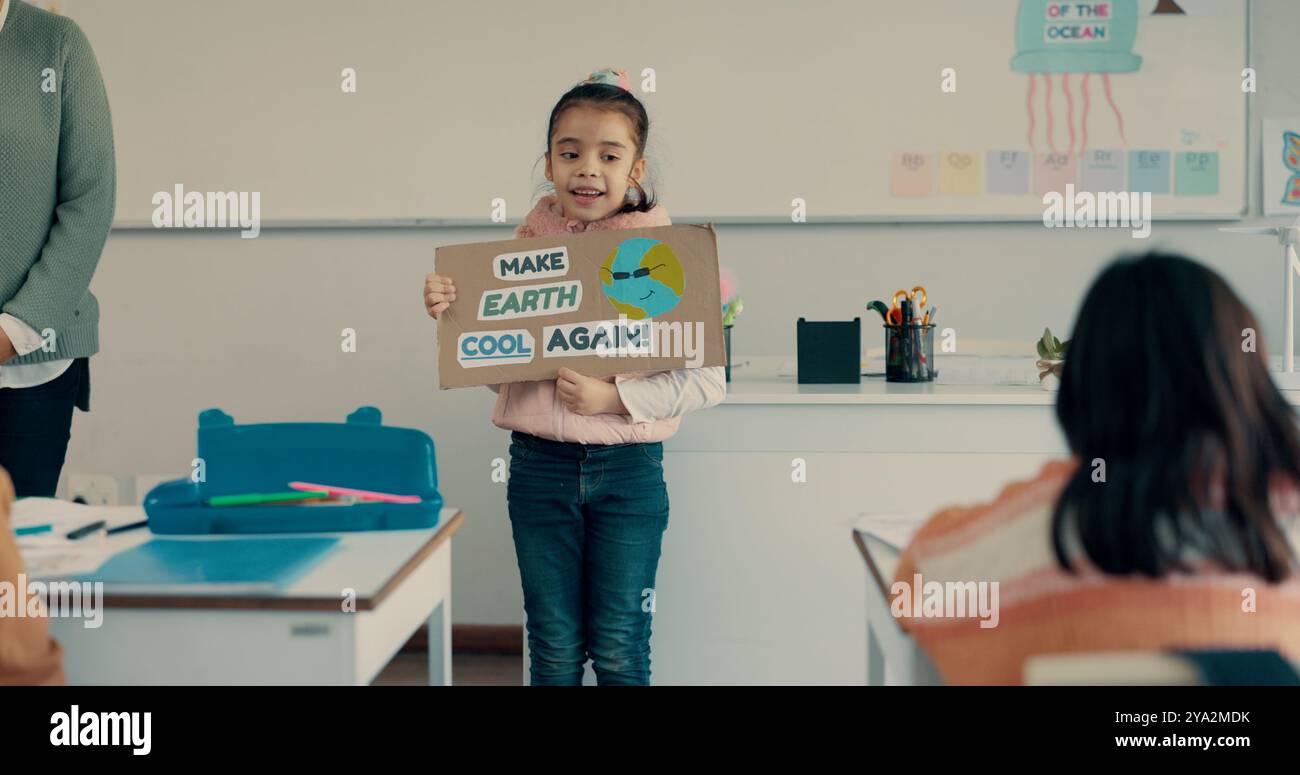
{"x":363,"y":494}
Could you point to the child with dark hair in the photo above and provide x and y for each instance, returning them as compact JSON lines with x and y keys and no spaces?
{"x":586,"y":494}
{"x":1173,"y":525}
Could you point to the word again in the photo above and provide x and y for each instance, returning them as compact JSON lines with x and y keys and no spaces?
{"x":530,"y":300}
{"x":531,"y":264}
{"x":627,"y":339}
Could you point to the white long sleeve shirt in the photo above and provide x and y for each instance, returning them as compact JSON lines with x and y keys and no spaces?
{"x":672,"y":393}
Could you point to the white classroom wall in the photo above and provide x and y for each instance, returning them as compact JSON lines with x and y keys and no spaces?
{"x":190,"y":322}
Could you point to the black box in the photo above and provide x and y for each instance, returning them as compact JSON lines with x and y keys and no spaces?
{"x":830,"y":352}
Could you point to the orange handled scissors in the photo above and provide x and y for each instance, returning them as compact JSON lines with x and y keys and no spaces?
{"x":895,"y":315}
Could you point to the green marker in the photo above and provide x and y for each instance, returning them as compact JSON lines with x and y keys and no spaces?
{"x":262,"y":498}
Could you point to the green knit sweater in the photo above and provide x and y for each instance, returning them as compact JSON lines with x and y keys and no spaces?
{"x":57,"y":179}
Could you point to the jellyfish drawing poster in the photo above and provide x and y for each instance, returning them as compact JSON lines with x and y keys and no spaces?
{"x":1086,"y":40}
{"x":1280,"y":155}
{"x":601,"y":303}
{"x":1043,"y":96}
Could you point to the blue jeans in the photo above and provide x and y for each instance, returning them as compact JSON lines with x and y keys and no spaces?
{"x":587,"y":522}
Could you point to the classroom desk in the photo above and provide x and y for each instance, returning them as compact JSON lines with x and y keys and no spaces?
{"x":887,"y":644}
{"x":401,"y":580}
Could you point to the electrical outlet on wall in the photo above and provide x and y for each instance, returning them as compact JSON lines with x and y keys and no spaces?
{"x":146,"y":482}
{"x":94,"y":489}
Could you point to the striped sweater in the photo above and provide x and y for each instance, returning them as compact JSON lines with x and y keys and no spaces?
{"x":1043,"y":609}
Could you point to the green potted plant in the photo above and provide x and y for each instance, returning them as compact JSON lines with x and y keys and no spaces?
{"x":1051,"y":357}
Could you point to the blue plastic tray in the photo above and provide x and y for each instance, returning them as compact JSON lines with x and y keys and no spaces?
{"x":360,"y":454}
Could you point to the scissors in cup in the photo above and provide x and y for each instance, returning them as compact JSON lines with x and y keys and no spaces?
{"x":895,"y":316}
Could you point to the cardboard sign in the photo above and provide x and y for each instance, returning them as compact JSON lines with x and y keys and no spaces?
{"x":600,"y":303}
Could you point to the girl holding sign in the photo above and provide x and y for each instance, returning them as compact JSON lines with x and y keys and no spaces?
{"x":587,"y":499}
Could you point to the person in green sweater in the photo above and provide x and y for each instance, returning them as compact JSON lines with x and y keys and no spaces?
{"x":57,"y":195}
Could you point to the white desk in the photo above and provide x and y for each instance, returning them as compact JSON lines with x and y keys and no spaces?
{"x":401,"y":580}
{"x":887,"y":644}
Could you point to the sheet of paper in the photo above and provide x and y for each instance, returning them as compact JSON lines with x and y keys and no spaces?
{"x":50,"y":554}
{"x":28,"y":512}
{"x":911,"y":174}
{"x":1196,"y":173}
{"x":1054,"y":172}
{"x":894,"y":529}
{"x":960,"y":173}
{"x":1149,"y":171}
{"x":1103,"y":170}
{"x":1280,"y":156}
{"x":69,"y":558}
{"x":1008,"y":172}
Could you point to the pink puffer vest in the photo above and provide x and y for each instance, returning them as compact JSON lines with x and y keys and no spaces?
{"x":534,"y":407}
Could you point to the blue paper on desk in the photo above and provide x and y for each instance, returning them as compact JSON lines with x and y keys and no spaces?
{"x":214,"y":566}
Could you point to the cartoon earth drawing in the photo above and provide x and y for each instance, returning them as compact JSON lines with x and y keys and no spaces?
{"x":642,"y":278}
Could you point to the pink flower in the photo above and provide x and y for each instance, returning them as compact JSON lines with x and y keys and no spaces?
{"x":727,"y":284}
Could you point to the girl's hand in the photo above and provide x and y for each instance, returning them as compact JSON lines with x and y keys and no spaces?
{"x":581,"y":394}
{"x":439,"y":293}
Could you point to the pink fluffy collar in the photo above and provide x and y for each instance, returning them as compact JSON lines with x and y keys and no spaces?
{"x":548,"y":218}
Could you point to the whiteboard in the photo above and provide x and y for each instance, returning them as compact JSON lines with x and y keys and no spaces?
{"x":756,"y":106}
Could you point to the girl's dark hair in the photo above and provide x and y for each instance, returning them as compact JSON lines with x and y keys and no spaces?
{"x":607,"y":97}
{"x":1161,"y":384}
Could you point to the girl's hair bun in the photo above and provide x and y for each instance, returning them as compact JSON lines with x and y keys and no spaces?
{"x":610,"y":77}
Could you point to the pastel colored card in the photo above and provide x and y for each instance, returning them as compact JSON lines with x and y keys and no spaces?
{"x":1149,"y":171}
{"x":1280,"y":156}
{"x":960,"y":173}
{"x":1054,"y":171}
{"x":1008,"y":172}
{"x":912,"y":174}
{"x":1196,"y":173}
{"x":1102,"y":170}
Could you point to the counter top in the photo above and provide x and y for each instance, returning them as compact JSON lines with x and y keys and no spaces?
{"x":760,"y":380}
{"x":763,"y":380}
{"x":874,"y":390}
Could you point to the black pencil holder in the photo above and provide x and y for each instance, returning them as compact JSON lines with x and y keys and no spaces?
{"x":909,"y":353}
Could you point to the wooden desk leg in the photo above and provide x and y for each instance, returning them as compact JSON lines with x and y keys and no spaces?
{"x":875,"y":659}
